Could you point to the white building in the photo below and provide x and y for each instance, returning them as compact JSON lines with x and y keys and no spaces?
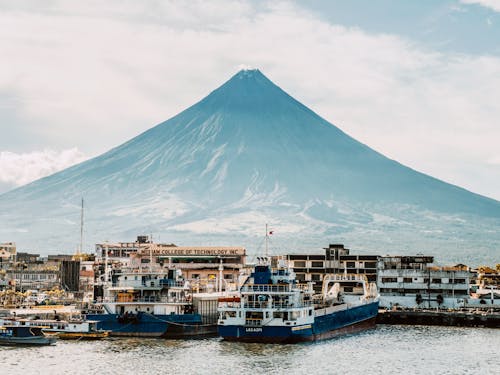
{"x":412,"y":281}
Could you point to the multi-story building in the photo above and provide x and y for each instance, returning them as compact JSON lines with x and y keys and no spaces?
{"x":34,"y":278}
{"x":198,"y":263}
{"x":339,"y":260}
{"x":7,"y":253}
{"x":336,"y":259}
{"x":28,"y":258}
{"x":122,"y":251}
{"x":209,"y":267}
{"x":412,"y":281}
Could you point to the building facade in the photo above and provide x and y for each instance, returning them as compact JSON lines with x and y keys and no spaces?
{"x":413,"y":281}
{"x":336,"y":259}
{"x":199,"y":263}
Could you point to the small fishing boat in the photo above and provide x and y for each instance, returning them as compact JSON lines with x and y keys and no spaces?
{"x":65,"y":330}
{"x":76,"y":330}
{"x":24,"y":335}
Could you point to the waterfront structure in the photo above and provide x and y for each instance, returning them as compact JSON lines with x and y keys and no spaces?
{"x":336,"y":259}
{"x":413,"y":281}
{"x":216,"y":265}
{"x":28,"y":258}
{"x":7,"y":253}
{"x":274,"y":307}
{"x":486,"y":288}
{"x":34,"y":277}
{"x":122,"y":251}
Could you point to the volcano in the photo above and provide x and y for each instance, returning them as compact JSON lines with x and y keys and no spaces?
{"x":246,"y":155}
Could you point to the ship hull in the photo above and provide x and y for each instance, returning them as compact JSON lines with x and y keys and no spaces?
{"x":328,"y":326}
{"x":27,"y":341}
{"x":190,"y":331}
{"x":147,"y":325}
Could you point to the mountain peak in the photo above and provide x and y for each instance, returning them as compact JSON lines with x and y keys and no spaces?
{"x":249,"y":76}
{"x":249,"y":73}
{"x":247,"y":90}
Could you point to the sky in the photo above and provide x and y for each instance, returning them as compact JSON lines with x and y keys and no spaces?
{"x":418,"y":81}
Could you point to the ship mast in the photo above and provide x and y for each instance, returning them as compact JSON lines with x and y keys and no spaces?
{"x":267,"y":240}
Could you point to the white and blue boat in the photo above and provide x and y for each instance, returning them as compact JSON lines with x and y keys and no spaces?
{"x":149,"y":303}
{"x":274,"y":308}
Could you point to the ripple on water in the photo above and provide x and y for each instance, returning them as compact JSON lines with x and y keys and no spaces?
{"x":385,"y":350}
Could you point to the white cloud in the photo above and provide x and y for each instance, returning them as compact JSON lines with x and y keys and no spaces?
{"x":96,"y":74}
{"x":20,"y":169}
{"x":492,"y":4}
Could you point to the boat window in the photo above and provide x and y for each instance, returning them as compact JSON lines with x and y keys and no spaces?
{"x":294,"y":315}
{"x":254,"y":315}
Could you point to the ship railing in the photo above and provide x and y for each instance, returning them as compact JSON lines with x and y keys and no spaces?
{"x":267,"y":288}
{"x":276,"y":305}
{"x":345,"y":277}
{"x":150,"y":299}
{"x":253,"y":322}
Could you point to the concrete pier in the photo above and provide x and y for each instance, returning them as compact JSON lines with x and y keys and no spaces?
{"x":440,"y":318}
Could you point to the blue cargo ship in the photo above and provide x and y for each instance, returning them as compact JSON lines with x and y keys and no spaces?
{"x":273,"y":307}
{"x":140,"y":303}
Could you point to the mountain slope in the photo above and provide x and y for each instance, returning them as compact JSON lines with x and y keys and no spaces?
{"x":246,"y":154}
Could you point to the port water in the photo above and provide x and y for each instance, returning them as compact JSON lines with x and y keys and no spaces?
{"x":384,"y":350}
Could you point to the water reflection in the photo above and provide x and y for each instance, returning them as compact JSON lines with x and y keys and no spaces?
{"x":387,"y":349}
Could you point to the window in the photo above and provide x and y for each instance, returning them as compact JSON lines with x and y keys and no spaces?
{"x":228,"y":276}
{"x":407,"y":280}
{"x":317,"y":264}
{"x":436,"y":281}
{"x":315,"y":277}
{"x":300,"y":276}
{"x":351,"y":264}
{"x":370,"y":264}
{"x":299,"y":264}
{"x":389,"y":279}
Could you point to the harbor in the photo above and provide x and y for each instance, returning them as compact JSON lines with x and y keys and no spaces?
{"x":145,"y":289}
{"x":456,"y":318}
{"x":387,"y":349}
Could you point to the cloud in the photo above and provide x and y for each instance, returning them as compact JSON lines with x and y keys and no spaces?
{"x":95,"y":74}
{"x":491,"y":4}
{"x":20,"y":169}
